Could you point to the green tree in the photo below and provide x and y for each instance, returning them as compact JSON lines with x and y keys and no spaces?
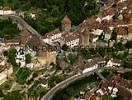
{"x":28,"y":58}
{"x":64,"y":47}
{"x":85,"y":53}
{"x":107,"y":97}
{"x":53,"y":80}
{"x":1,"y":93}
{"x":129,"y":44}
{"x":8,"y":30}
{"x":15,"y":95}
{"x":5,"y":53}
{"x":72,"y":58}
{"x":55,"y":10}
{"x":11,"y":54}
{"x":22,"y":75}
{"x":114,"y":35}
{"x":120,"y":46}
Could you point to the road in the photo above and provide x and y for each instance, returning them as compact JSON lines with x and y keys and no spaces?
{"x":68,"y":81}
{"x":100,"y":75}
{"x":23,"y":23}
{"x":63,"y":84}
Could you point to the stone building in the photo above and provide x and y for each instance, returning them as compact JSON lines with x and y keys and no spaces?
{"x":46,"y":57}
{"x":46,"y":54}
{"x":66,"y":24}
{"x":84,"y":37}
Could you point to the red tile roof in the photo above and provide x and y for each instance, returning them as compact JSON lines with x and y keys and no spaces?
{"x":71,"y":36}
{"x":121,"y":31}
{"x":130,"y":29}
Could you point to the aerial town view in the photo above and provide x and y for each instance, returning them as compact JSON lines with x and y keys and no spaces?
{"x":65,"y":49}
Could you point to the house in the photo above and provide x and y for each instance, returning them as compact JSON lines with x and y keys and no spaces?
{"x":130,"y":32}
{"x":71,"y":39}
{"x":34,"y":42}
{"x":109,"y":11}
{"x":7,"y":11}
{"x":44,"y":82}
{"x":12,"y":42}
{"x":112,"y":63}
{"x":109,"y":33}
{"x":90,"y":68}
{"x":115,"y":85}
{"x":2,"y":61}
{"x":90,"y":96}
{"x":33,"y":16}
{"x":122,"y":32}
{"x":97,"y":32}
{"x":52,"y":37}
{"x":90,"y":23}
{"x":5,"y":72}
{"x":20,"y":57}
{"x":100,"y":43}
{"x":30,"y":65}
{"x":128,"y":17}
{"x":101,"y":92}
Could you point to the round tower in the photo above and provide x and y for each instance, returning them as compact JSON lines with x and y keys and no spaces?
{"x":66,"y":24}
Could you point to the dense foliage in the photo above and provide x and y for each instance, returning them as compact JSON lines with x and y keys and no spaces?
{"x":114,"y":35}
{"x":36,"y":90}
{"x":8,"y":30}
{"x":128,"y":75}
{"x":53,"y":80}
{"x":72,"y":58}
{"x":51,"y":12}
{"x":11,"y":54}
{"x":74,"y":88}
{"x":15,"y":95}
{"x":107,"y":97}
{"x":22,"y":75}
{"x":129,"y":44}
{"x":28,"y":58}
{"x":126,"y":63}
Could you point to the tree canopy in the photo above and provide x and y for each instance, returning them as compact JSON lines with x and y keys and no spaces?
{"x":11,"y":54}
{"x":8,"y":30}
{"x":52,"y":11}
{"x":22,"y":75}
{"x":15,"y":95}
{"x":28,"y":58}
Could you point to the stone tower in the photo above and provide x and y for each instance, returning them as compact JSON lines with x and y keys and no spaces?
{"x":66,"y":24}
{"x":84,"y":37}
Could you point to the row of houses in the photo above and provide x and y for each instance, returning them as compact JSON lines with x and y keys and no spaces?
{"x":118,"y":19}
{"x":63,"y":37}
{"x":116,"y":85}
{"x":7,"y":11}
{"x":97,"y":62}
